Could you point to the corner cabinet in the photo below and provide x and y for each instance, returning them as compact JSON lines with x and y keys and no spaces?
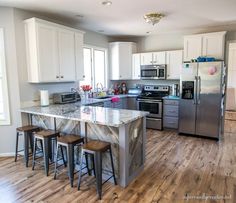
{"x":174,"y":61}
{"x":206,"y":45}
{"x":121,"y":60}
{"x":54,"y":52}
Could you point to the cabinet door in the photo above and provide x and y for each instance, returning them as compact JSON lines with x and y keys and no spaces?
{"x":192,"y":47}
{"x":159,"y":58}
{"x":114,"y":61}
{"x":125,"y":60}
{"x":79,"y":56}
{"x":213,"y":45}
{"x":174,"y":64}
{"x":136,"y":67}
{"x":47,"y":53}
{"x":66,"y":41}
{"x":146,"y":59}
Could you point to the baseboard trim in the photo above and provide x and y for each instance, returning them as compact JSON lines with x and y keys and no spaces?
{"x":10,"y":154}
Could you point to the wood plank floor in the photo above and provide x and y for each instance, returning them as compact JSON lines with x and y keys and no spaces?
{"x":177,"y":169}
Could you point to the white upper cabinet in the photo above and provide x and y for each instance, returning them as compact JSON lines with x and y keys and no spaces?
{"x":192,"y":47}
{"x":174,"y":64}
{"x":159,"y":58}
{"x":121,"y":60}
{"x":53,"y":52}
{"x":66,"y":42}
{"x":153,"y":58}
{"x":214,"y":45}
{"x":146,"y":58}
{"x":79,"y":56}
{"x":44,"y":58}
{"x":136,"y":66}
{"x":209,"y":45}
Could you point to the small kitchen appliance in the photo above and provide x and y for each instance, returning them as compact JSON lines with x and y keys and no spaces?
{"x":153,"y":72}
{"x":65,"y":97}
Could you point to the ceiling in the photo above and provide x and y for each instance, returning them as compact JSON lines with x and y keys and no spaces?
{"x":125,"y":17}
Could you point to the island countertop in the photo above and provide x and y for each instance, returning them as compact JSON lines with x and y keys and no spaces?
{"x":90,"y":114}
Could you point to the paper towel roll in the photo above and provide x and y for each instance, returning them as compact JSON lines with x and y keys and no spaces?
{"x":44,"y":98}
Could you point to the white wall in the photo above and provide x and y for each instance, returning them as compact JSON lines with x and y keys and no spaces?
{"x":7,"y":133}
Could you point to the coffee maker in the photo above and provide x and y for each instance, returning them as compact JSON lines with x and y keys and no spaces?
{"x":175,"y":90}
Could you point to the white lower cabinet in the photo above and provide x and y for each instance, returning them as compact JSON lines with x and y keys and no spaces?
{"x":54,"y":52}
{"x":171,"y":114}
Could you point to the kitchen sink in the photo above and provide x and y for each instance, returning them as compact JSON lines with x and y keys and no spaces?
{"x":105,"y":97}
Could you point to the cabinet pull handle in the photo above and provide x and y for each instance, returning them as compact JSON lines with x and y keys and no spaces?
{"x":83,"y":76}
{"x":62,"y":76}
{"x":57,"y":76}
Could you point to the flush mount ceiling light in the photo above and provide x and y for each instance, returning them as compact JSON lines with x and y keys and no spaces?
{"x":106,"y":3}
{"x":153,"y":18}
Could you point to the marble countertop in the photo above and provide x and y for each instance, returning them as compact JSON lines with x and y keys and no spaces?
{"x":79,"y":112}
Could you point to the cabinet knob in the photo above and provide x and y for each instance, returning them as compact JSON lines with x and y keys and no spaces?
{"x":62,"y":76}
{"x":120,"y":76}
{"x":57,"y":76}
{"x":83,"y":76}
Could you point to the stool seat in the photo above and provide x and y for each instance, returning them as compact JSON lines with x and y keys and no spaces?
{"x":70,"y":139}
{"x":47,"y":133}
{"x":97,"y":146}
{"x":27,"y":128}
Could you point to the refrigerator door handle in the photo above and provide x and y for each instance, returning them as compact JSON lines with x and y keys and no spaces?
{"x":199,"y":90}
{"x":195,"y":90}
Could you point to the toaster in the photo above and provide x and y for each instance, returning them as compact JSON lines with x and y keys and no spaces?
{"x":65,"y":97}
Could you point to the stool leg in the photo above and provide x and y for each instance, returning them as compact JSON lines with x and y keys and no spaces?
{"x":94,"y":171}
{"x":46,"y":155}
{"x":17,"y":140}
{"x":26,"y":148}
{"x":71,"y":164}
{"x":62,"y":154}
{"x":31,"y":135}
{"x":80,"y":168}
{"x":55,"y":169}
{"x":34,"y":153}
{"x":112,"y":166}
{"x":87,"y":163}
{"x":98,"y":169}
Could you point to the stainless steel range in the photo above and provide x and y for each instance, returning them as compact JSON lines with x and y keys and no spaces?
{"x":151,"y":100}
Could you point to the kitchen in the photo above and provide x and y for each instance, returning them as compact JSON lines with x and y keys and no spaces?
{"x":151,"y":71}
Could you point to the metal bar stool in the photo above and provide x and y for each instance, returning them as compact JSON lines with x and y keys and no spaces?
{"x":27,"y":132}
{"x":96,"y":148}
{"x":46,"y":136}
{"x":69,"y":142}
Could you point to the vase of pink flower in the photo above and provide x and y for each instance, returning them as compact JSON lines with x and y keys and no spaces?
{"x":86,"y":89}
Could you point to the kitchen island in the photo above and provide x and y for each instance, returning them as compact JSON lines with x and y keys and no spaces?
{"x":124,"y":129}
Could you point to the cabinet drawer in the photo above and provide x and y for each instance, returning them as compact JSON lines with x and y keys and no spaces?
{"x":171,"y":110}
{"x":171,"y":102}
{"x":170,"y":122}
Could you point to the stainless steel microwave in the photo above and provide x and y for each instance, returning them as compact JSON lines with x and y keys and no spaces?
{"x":153,"y":72}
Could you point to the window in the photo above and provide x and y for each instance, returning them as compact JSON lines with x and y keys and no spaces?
{"x":4,"y":103}
{"x":95,"y":62}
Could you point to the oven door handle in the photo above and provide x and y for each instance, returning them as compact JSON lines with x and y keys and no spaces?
{"x":149,"y":101}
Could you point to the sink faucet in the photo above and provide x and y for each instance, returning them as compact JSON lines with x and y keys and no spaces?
{"x":100,"y":86}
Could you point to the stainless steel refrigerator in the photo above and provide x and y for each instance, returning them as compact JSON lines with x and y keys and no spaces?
{"x":201,"y":105}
